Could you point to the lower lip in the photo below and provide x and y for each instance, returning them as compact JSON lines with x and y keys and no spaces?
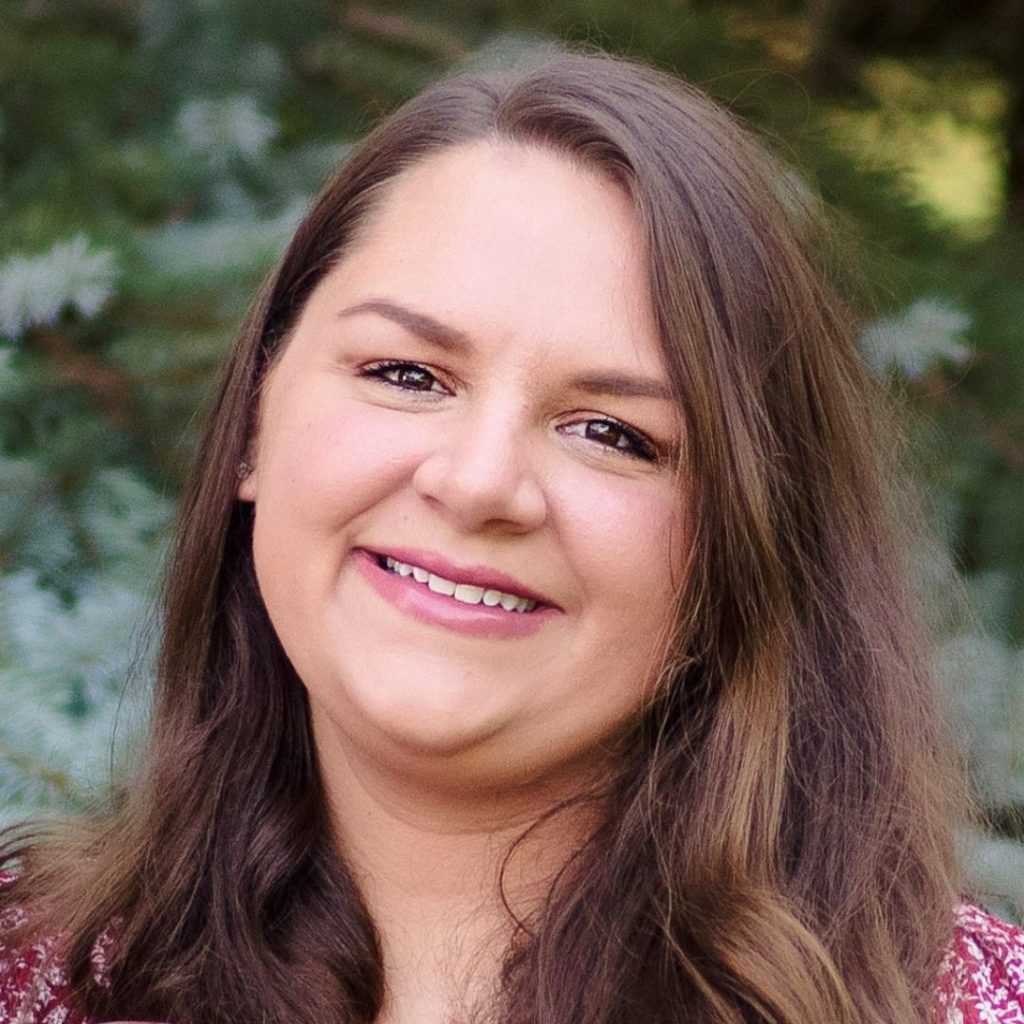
{"x":418,"y":601}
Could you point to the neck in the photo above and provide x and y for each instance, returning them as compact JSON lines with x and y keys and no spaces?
{"x":434,"y":871}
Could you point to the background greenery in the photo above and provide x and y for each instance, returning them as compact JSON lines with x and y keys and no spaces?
{"x":155,"y":155}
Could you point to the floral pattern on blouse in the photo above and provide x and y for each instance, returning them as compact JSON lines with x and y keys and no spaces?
{"x":982,"y":976}
{"x":981,"y":980}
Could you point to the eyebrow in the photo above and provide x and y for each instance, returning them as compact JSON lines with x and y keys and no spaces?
{"x":448,"y":338}
{"x":425,"y":327}
{"x":622,"y":385}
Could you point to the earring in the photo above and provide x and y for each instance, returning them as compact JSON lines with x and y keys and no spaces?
{"x":244,"y":470}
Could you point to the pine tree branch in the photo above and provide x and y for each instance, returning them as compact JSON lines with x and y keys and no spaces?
{"x":110,"y":385}
{"x":405,"y":31}
{"x":48,"y":776}
{"x":997,"y":434}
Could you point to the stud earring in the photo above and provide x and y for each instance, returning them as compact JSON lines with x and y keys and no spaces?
{"x":244,"y":470}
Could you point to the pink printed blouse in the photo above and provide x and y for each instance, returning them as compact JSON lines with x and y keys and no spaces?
{"x":981,"y":981}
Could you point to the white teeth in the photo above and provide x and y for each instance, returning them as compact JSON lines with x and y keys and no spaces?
{"x":467,"y":593}
{"x":439,"y":585}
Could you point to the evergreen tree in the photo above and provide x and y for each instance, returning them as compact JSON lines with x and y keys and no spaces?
{"x":154,"y":158}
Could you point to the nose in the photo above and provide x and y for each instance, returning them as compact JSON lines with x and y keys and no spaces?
{"x":481,"y":475}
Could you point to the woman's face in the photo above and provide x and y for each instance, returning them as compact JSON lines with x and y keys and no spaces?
{"x":474,"y":398}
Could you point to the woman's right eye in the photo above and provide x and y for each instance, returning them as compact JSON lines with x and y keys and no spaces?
{"x":407,"y":376}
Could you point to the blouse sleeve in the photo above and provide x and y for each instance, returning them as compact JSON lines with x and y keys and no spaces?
{"x":982,"y":977}
{"x":33,"y":986}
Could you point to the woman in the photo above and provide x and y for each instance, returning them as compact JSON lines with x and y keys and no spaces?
{"x":537,"y":646}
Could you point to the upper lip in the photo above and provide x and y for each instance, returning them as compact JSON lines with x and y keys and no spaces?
{"x":475,"y":575}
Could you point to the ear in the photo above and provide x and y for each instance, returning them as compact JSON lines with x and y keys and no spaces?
{"x":246,"y":490}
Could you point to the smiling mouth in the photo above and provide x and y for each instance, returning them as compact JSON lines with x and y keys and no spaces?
{"x":466,"y":593}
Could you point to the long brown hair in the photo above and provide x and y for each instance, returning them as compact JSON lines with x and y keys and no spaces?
{"x":777,"y":842}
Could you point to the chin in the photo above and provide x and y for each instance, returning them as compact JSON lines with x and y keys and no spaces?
{"x":430,"y":732}
{"x":441,"y":717}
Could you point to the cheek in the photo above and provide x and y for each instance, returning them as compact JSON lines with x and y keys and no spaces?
{"x":327,"y":462}
{"x":624,"y":539}
{"x":628,"y":541}
{"x":629,"y":538}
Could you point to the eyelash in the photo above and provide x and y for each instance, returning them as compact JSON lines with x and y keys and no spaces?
{"x":379,"y":371}
{"x":640,"y":446}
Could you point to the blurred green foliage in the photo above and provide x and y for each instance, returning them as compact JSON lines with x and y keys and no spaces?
{"x":154,"y":157}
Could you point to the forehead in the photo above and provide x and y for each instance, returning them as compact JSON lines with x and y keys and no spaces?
{"x":512,"y":242}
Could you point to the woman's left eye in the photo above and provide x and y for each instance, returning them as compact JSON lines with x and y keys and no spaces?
{"x":616,"y":437}
{"x":406,"y":376}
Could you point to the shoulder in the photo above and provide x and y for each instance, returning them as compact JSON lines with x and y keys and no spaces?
{"x":33,"y":985}
{"x":982,"y":976}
